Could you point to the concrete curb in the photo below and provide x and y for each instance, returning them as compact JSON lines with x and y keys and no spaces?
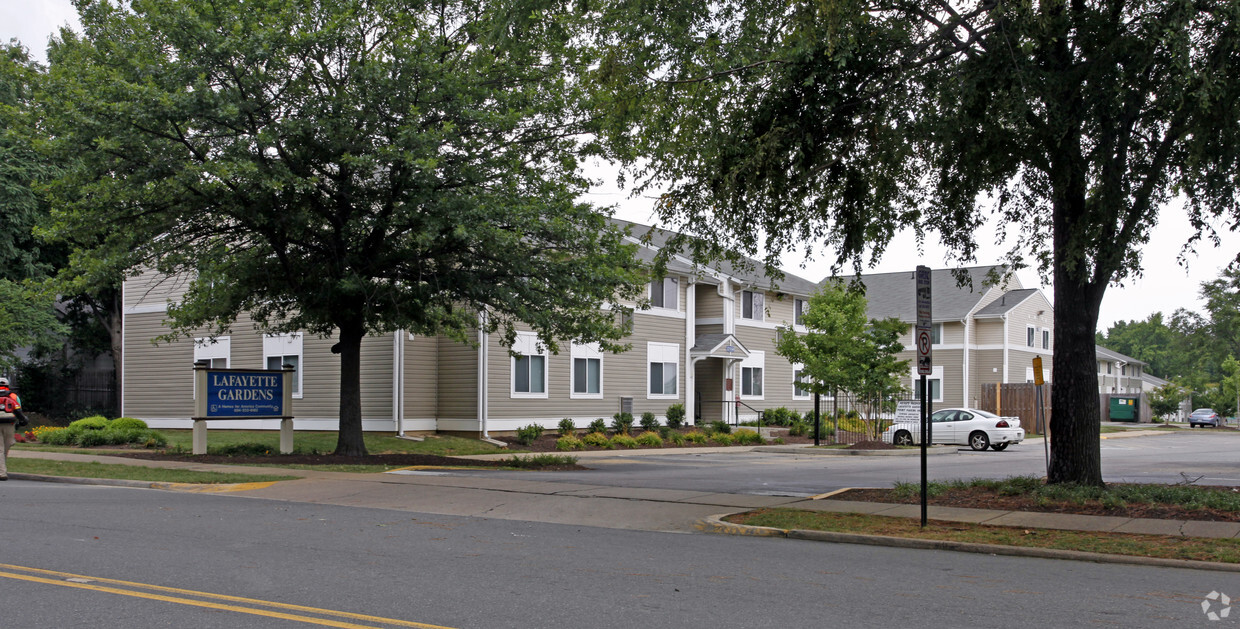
{"x":934,"y":450}
{"x":715,"y":524}
{"x":143,"y":484}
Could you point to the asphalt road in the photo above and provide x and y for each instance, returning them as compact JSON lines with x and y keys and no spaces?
{"x":1208,"y":458}
{"x":287,"y":564}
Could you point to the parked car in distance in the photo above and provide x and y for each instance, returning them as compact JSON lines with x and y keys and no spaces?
{"x":962,"y":426}
{"x":1203,"y":417}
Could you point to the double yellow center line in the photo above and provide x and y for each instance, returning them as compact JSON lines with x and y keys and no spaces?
{"x":222,"y":602}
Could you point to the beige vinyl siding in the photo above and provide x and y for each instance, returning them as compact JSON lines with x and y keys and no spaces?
{"x":777,"y":386}
{"x":152,"y":289}
{"x":993,"y":293}
{"x":987,"y":368}
{"x":421,"y":385}
{"x":623,"y":375}
{"x":708,"y":303}
{"x":158,"y":380}
{"x":780,"y":309}
{"x":1026,"y":314}
{"x":458,"y":381}
{"x":989,"y":332}
{"x":953,"y":333}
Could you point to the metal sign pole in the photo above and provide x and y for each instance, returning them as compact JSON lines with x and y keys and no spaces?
{"x":817,"y":418}
{"x":925,"y":431}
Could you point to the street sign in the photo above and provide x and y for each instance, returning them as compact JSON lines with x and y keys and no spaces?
{"x":1037,"y":371}
{"x":925,"y":364}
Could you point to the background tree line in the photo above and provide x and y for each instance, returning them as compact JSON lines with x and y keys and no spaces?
{"x":1195,"y":349}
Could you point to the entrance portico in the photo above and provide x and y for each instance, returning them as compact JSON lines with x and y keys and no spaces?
{"x":713,"y":358}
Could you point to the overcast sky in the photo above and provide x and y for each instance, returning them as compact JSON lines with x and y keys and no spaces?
{"x":1164,"y":287}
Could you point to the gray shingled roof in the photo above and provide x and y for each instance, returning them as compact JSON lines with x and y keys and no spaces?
{"x":892,"y":294}
{"x":1008,"y":301}
{"x":754,"y":276}
{"x":1106,"y":354}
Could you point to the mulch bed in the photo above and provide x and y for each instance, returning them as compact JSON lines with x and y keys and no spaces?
{"x":980,"y":498}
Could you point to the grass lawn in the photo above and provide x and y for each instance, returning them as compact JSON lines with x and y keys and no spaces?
{"x":1194,"y":548}
{"x":133,"y":472}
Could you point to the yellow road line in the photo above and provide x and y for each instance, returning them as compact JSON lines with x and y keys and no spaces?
{"x":201,"y":488}
{"x":208,"y":595}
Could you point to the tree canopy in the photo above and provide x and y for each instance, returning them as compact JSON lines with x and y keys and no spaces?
{"x":833,"y":124}
{"x":338,"y":167}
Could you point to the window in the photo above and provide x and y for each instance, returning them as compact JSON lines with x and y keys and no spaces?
{"x":587,"y":371}
{"x":1123,"y":370}
{"x":284,"y":349}
{"x":798,"y":311}
{"x":934,"y":382}
{"x":214,"y":352}
{"x":752,"y":368}
{"x":936,"y":334}
{"x":1046,"y":338}
{"x":663,"y":361}
{"x":665,"y":293}
{"x":529,"y":367}
{"x":1030,"y":332}
{"x":752,"y":305}
{"x":1108,"y":369}
{"x":798,"y":378}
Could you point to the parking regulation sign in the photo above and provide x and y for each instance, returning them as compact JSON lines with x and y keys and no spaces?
{"x":922,"y":334}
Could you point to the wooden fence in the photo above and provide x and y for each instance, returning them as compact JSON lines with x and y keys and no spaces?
{"x":1017,"y":400}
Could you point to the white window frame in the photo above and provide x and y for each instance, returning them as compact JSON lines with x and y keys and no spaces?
{"x":206,"y":348}
{"x":936,"y":333}
{"x":284,"y":345}
{"x":664,"y":290}
{"x":756,"y":302}
{"x":587,"y":353}
{"x":936,"y":373}
{"x":663,"y":354}
{"x":1046,"y":338}
{"x":1031,"y":333}
{"x":527,"y":346}
{"x":799,"y":394}
{"x":755,"y":360}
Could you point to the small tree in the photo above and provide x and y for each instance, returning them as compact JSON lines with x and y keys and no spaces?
{"x":843,"y":350}
{"x":1165,"y":400}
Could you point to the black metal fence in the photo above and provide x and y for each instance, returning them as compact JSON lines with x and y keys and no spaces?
{"x":846,"y":419}
{"x":62,"y":397}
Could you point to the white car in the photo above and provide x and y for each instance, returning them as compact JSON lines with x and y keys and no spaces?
{"x":963,"y":426}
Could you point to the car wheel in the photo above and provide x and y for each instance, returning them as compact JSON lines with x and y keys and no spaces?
{"x":999,"y":447}
{"x":1192,"y":425}
{"x":979,"y":441}
{"x":903,"y":438}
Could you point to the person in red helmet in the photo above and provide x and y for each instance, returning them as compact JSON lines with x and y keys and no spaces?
{"x":11,"y":418}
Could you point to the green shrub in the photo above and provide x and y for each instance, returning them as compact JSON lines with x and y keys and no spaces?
{"x":622,"y":423}
{"x":539,"y":460}
{"x":94,"y":422}
{"x":598,"y":425}
{"x":781,"y":416}
{"x":649,"y":421}
{"x":569,"y":442}
{"x":529,"y":434}
{"x":747,"y":437}
{"x":697,"y":437}
{"x":92,"y":438}
{"x":720,"y":426}
{"x":625,"y":441}
{"x":721,"y":438}
{"x":598,"y":439}
{"x":567,"y":427}
{"x":677,"y":439}
{"x":676,"y":415}
{"x":64,"y":437}
{"x":798,"y":428}
{"x":126,"y":423}
{"x":154,"y":439}
{"x":650,"y":439}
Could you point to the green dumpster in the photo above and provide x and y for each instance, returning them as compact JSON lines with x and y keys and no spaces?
{"x":1123,"y":409}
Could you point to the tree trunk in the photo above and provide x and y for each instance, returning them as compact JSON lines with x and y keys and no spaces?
{"x":1076,"y":454}
{"x":349,"y":442}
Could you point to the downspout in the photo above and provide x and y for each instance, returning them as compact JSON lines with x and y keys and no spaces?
{"x":1006,"y":341}
{"x":690,"y":337}
{"x":398,"y":386}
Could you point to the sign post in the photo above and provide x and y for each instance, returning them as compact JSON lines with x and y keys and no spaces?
{"x":925,"y":366}
{"x":243,"y":394}
{"x":1040,"y":418}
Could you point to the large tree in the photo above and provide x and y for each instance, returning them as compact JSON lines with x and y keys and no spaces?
{"x":835,"y":123}
{"x":340,"y":167}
